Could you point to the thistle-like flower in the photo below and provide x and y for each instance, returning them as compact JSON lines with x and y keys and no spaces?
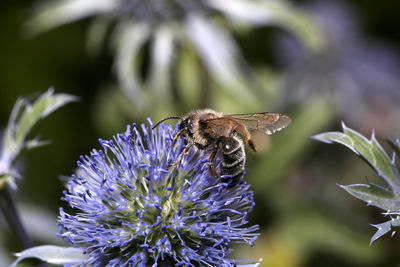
{"x":167,"y":26}
{"x":133,"y":210}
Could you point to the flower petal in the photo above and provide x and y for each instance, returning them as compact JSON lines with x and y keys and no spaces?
{"x":52,"y":254}
{"x":97,"y":32}
{"x":129,"y":38}
{"x":272,"y":12}
{"x":220,"y":55}
{"x":162,"y":57}
{"x":242,"y":10}
{"x":61,"y":12}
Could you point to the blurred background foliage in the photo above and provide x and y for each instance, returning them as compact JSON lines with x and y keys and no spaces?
{"x":351,"y":75}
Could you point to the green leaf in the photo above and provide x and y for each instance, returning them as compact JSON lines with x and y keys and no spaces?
{"x":374,"y":195}
{"x":35,"y":143}
{"x":395,"y":145}
{"x":369,"y":150}
{"x":52,"y":254}
{"x":43,"y":106}
{"x":24,"y":116}
{"x":385,"y":227}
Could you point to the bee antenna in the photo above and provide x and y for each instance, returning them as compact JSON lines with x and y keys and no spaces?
{"x":167,"y":118}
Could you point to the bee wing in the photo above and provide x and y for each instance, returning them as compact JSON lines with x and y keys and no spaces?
{"x":265,"y":122}
{"x":218,"y":125}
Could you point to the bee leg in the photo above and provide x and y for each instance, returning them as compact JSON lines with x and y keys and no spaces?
{"x":183,"y":153}
{"x":177,"y":136}
{"x":211,"y":164}
{"x":211,"y":167}
{"x":251,"y":144}
{"x":212,"y":171}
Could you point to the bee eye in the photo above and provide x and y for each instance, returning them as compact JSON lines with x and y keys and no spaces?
{"x":227,"y":147}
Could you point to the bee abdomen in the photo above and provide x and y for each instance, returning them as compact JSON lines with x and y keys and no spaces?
{"x":233,"y":159}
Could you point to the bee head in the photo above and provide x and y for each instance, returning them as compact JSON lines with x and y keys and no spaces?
{"x":186,"y":124}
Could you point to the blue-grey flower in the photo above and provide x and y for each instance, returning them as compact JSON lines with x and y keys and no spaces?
{"x":131,"y":209}
{"x":164,"y":26}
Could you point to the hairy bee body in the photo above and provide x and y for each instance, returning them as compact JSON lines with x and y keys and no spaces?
{"x":218,"y":135}
{"x":233,"y":159}
{"x":200,"y":132}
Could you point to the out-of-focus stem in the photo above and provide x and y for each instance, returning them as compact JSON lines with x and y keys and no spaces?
{"x":9,"y":211}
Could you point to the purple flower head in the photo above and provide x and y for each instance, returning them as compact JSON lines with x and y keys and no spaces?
{"x":133,"y":210}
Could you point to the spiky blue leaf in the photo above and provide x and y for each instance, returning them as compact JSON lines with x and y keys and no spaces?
{"x":51,"y":254}
{"x":374,"y":195}
{"x":369,"y":150}
{"x":384,"y":228}
{"x":23,"y":117}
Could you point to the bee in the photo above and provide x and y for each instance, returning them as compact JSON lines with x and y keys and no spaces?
{"x":233,"y":159}
{"x":218,"y":135}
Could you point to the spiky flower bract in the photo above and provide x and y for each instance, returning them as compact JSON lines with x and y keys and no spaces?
{"x":14,"y":138}
{"x":160,"y":34}
{"x":135,"y":211}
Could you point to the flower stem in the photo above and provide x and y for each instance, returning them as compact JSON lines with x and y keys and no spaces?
{"x":9,"y":211}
